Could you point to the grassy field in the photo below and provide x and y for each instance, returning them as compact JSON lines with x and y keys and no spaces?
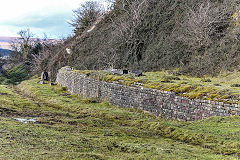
{"x":69,"y":127}
{"x":223,"y":88}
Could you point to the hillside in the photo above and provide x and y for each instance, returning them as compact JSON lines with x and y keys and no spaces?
{"x":197,"y":37}
{"x":4,"y":52}
{"x":5,"y":45}
{"x":5,"y":42}
{"x":65,"y":126}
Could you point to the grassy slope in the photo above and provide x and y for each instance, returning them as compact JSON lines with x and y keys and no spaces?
{"x":69,"y":127}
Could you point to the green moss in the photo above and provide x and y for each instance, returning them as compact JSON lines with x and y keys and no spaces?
{"x":112,"y":78}
{"x":169,"y":78}
{"x":183,"y":88}
{"x":83,"y":71}
{"x":89,"y":100}
{"x":153,"y":85}
{"x":206,"y":80}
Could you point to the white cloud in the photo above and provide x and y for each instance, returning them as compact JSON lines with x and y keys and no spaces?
{"x":6,"y":30}
{"x":22,"y":14}
{"x":12,"y":9}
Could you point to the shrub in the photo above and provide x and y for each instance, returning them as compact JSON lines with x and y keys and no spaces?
{"x":16,"y":74}
{"x":86,"y":15}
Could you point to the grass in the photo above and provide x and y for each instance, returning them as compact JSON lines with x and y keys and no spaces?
{"x":69,"y":127}
{"x":222,"y":88}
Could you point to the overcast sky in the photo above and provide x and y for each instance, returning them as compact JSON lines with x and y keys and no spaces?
{"x":40,"y":16}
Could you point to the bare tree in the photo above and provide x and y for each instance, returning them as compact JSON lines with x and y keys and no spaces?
{"x":86,"y":15}
{"x":24,"y":46}
{"x":41,"y":60}
{"x":126,"y":28}
{"x":26,"y":42}
{"x":134,"y":12}
{"x":203,"y":25}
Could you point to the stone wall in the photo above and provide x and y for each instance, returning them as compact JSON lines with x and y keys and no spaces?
{"x":157,"y":102}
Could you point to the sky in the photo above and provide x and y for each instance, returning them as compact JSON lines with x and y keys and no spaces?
{"x":48,"y":17}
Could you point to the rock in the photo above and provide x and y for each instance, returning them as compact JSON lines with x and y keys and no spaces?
{"x":69,"y":51}
{"x":107,"y":133}
{"x":52,"y":84}
{"x":41,"y":82}
{"x":125,"y":71}
{"x":67,"y":68}
{"x":44,"y":76}
{"x":116,"y":72}
{"x":136,"y":73}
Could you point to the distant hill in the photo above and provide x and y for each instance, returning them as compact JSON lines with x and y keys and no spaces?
{"x":7,"y":39}
{"x":5,"y":45}
{"x":5,"y":42}
{"x":4,"y":52}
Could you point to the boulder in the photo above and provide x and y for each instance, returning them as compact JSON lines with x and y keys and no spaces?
{"x":44,"y":76}
{"x":136,"y":73}
{"x":41,"y":82}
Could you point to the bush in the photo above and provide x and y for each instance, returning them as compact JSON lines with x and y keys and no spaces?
{"x":85,"y":16}
{"x":15,"y":75}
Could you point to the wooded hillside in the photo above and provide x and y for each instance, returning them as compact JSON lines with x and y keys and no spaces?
{"x":197,"y":37}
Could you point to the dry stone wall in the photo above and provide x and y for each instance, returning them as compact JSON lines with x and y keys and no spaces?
{"x":157,"y":102}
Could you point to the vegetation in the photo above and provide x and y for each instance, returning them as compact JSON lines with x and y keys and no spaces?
{"x":69,"y":127}
{"x":14,"y":75}
{"x":34,"y":53}
{"x":198,"y":37}
{"x":25,"y":47}
{"x":85,"y":16}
